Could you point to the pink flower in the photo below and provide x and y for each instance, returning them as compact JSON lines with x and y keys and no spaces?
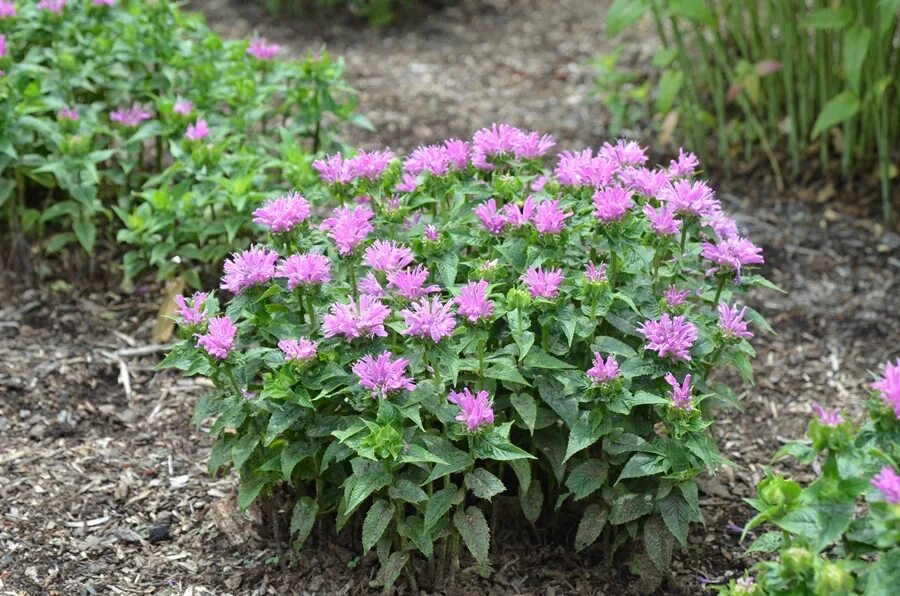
{"x":827,"y":417}
{"x":670,"y":337}
{"x":624,"y":153}
{"x":689,"y":197}
{"x":731,"y":321}
{"x":610,"y":204}
{"x":474,"y":410}
{"x":680,"y":394}
{"x":348,"y":226}
{"x":249,"y":268}
{"x":183,"y":107}
{"x":3,"y":50}
{"x":594,"y":274}
{"x":549,"y":218}
{"x":191,"y":314}
{"x":644,"y":181}
{"x":685,"y":165}
{"x":490,"y":217}
{"x":518,"y":216}
{"x":722,"y":225}
{"x":334,"y":169}
{"x":662,"y":222}
{"x":889,"y":386}
{"x":67,"y":113}
{"x":888,"y":482}
{"x":370,"y":164}
{"x":382,"y":375}
{"x":407,"y":183}
{"x":304,"y":270}
{"x":531,"y":145}
{"x":262,"y":50}
{"x":733,"y":253}
{"x":218,"y":340}
{"x":370,"y":286}
{"x":428,"y":158}
{"x":505,"y":139}
{"x":431,"y":233}
{"x":603,"y":372}
{"x":410,"y":282}
{"x":429,"y":319}
{"x":103,"y":2}
{"x":52,"y":6}
{"x":283,"y":213}
{"x":457,"y":152}
{"x":7,"y":9}
{"x":130,"y":117}
{"x":675,"y":297}
{"x":297,"y":350}
{"x":472,"y":301}
{"x":538,"y":184}
{"x":387,"y":256}
{"x":354,"y":321}
{"x":542,"y":284}
{"x":197,"y":131}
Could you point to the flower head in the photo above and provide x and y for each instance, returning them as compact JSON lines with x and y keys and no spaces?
{"x":191,"y":314}
{"x":410,"y":282}
{"x":670,"y":337}
{"x":370,"y":164}
{"x":218,"y":340}
{"x":283,"y":213}
{"x":549,"y":218}
{"x":382,"y":375}
{"x":407,"y":183}
{"x":662,"y":222}
{"x":685,"y":165}
{"x":334,"y":169}
{"x":7,"y":9}
{"x":731,"y":321}
{"x":490,"y":217}
{"x":353,"y":320}
{"x":610,"y":204}
{"x":722,"y":225}
{"x":518,"y":215}
{"x":130,"y":117}
{"x":889,"y":386}
{"x":431,"y":233}
{"x":675,"y":297}
{"x":645,"y":181}
{"x":827,"y":417}
{"x":582,"y":168}
{"x":297,"y":350}
{"x":370,"y":286}
{"x":428,"y":158}
{"x":475,"y":410}
{"x":472,"y":301}
{"x":197,"y":131}
{"x":733,"y":253}
{"x":457,"y":152}
{"x":52,"y":6}
{"x":348,"y":226}
{"x":103,"y":2}
{"x":542,"y":284}
{"x":680,"y":394}
{"x":249,"y":268}
{"x":603,"y":372}
{"x":689,"y":197}
{"x":387,"y":256}
{"x":67,"y":113}
{"x":260,"y":49}
{"x":624,"y":153}
{"x":429,"y":319}
{"x":888,"y":482}
{"x":594,"y":274}
{"x":3,"y":50}
{"x":183,"y":107}
{"x":304,"y":270}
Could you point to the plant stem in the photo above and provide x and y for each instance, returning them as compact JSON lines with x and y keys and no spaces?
{"x":719,"y":289}
{"x":311,"y":311}
{"x":481,"y":343}
{"x":353,"y":278}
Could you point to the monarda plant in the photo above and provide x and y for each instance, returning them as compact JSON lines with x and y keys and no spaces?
{"x":841,"y":533}
{"x":467,"y":324}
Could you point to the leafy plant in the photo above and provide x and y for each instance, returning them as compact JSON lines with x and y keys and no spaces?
{"x":826,"y":542}
{"x":772,"y":73}
{"x":466,"y":325}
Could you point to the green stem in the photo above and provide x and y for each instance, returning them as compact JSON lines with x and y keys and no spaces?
{"x":353,"y":278}
{"x":545,"y":338}
{"x":230,"y":374}
{"x":481,"y":363}
{"x":311,"y":311}
{"x":719,"y":289}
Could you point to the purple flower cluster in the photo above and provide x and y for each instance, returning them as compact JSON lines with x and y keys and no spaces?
{"x":283,"y":213}
{"x":386,"y":256}
{"x":732,"y":254}
{"x":888,"y":386}
{"x":603,"y":371}
{"x":689,"y":197}
{"x":472,"y":302}
{"x":249,"y":268}
{"x":583,"y":168}
{"x":670,"y":337}
{"x":348,"y":226}
{"x":365,"y":319}
{"x":437,"y":160}
{"x":429,"y":319}
{"x":732,"y":323}
{"x":542,"y":284}
{"x":197,"y":131}
{"x":475,"y":410}
{"x":490,"y":217}
{"x":549,"y":217}
{"x":183,"y":107}
{"x":51,"y":6}
{"x":382,"y":375}
{"x":611,"y":203}
{"x":67,"y":113}
{"x":680,"y":393}
{"x":369,"y":165}
{"x":130,"y":117}
{"x":304,"y":270}
{"x":675,"y":297}
{"x":297,"y":350}
{"x":662,"y":221}
{"x":507,"y":140}
{"x":595,"y":274}
{"x":260,"y":49}
{"x":410,"y":282}
{"x":827,"y":417}
{"x":218,"y":341}
{"x":191,"y":314}
{"x":887,"y":481}
{"x":7,"y":9}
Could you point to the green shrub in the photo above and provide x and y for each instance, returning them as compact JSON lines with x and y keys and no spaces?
{"x":90,"y":129}
{"x":773,"y":73}
{"x":581,"y":299}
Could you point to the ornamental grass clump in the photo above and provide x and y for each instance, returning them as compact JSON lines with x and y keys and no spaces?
{"x":471,"y":326}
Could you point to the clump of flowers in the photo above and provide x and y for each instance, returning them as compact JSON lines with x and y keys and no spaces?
{"x":499,"y":309}
{"x":131,"y":116}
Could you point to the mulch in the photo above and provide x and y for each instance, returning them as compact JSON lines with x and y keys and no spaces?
{"x":103,"y":481}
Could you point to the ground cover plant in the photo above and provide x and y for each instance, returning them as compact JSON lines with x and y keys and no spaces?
{"x":136,"y":116}
{"x":814,"y":77}
{"x":826,"y":542}
{"x":467,"y":324}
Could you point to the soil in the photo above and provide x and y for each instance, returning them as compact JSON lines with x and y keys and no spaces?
{"x":103,"y":482}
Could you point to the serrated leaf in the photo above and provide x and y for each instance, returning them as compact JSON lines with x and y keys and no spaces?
{"x":496,"y":446}
{"x":408,"y":491}
{"x":440,"y":503}
{"x":521,"y":335}
{"x":506,"y":371}
{"x":658,"y":542}
{"x":378,"y":518}
{"x":610,"y":345}
{"x":676,"y":515}
{"x":250,"y":489}
{"x":475,"y":533}
{"x":303,"y":518}
{"x":766,"y":543}
{"x":483,"y":484}
{"x":621,"y":14}
{"x":586,"y":478}
{"x":243,"y":449}
{"x":537,"y":358}
{"x":532,"y":501}
{"x":391,"y":569}
{"x":526,"y":407}
{"x":589,"y":528}
{"x":643,"y":464}
{"x":522,"y":469}
{"x":585,"y":433}
{"x":630,"y":507}
{"x":367,"y":477}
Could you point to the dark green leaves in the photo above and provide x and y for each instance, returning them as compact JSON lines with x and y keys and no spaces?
{"x":303,"y":517}
{"x":483,"y":484}
{"x":629,"y":507}
{"x":376,"y":522}
{"x":474,"y":530}
{"x":589,"y":528}
{"x":587,"y":478}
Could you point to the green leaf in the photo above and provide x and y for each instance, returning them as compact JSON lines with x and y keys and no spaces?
{"x":839,"y":108}
{"x":855,"y":47}
{"x":766,"y":543}
{"x":86,"y":232}
{"x":585,"y":433}
{"x":622,"y":14}
{"x":676,"y":514}
{"x":526,"y":407}
{"x":611,"y":345}
{"x":522,"y":469}
{"x":587,"y":478}
{"x":693,"y":10}
{"x":884,"y":576}
{"x":532,"y":501}
{"x":303,"y":518}
{"x":537,"y":358}
{"x":440,"y":503}
{"x":667,"y":90}
{"x":446,"y":270}
{"x":630,"y":507}
{"x":474,"y":530}
{"x":521,"y":335}
{"x":483,"y":484}
{"x":378,"y":518}
{"x":505,"y":371}
{"x":292,"y":455}
{"x":644,"y":464}
{"x":244,"y":448}
{"x":250,"y":489}
{"x":391,"y":569}
{"x":658,"y":543}
{"x":280,"y":420}
{"x":408,"y":491}
{"x":589,"y":528}
{"x":828,"y":18}
{"x":367,"y":477}
{"x":821,"y":524}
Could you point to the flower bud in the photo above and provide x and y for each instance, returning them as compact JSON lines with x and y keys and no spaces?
{"x":778,"y":492}
{"x":517,"y":298}
{"x":832,"y":578}
{"x":797,"y":560}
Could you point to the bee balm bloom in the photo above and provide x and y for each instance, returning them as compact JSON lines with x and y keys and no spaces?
{"x":889,"y":386}
{"x":7,"y":9}
{"x":610,"y":204}
{"x":474,"y":410}
{"x":888,"y":482}
{"x":472,"y":301}
{"x":603,"y":372}
{"x":283,"y":213}
{"x":348,"y":226}
{"x":130,"y":117}
{"x":680,"y":394}
{"x":3,"y":50}
{"x":689,"y":197}
{"x":518,"y":216}
{"x":249,"y":268}
{"x":624,"y":153}
{"x":370,"y":164}
{"x":262,"y":50}
{"x":429,"y":319}
{"x":490,"y":217}
{"x":670,"y":337}
{"x":731,"y":321}
{"x":67,"y":113}
{"x":183,"y":107}
{"x":197,"y":131}
{"x":549,"y":218}
{"x":387,"y":256}
{"x":218,"y":340}
{"x":675,"y":297}
{"x":733,"y":254}
{"x":827,"y":417}
{"x":542,"y":284}
{"x":297,"y":350}
{"x":662,"y":222}
{"x":410,"y":282}
{"x":382,"y":375}
{"x":356,"y":320}
{"x":51,"y":6}
{"x":304,"y":270}
{"x":191,"y":314}
{"x":594,"y":274}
